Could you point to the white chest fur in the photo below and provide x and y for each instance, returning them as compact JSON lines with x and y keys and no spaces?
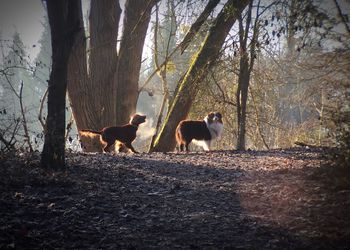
{"x":215,"y":128}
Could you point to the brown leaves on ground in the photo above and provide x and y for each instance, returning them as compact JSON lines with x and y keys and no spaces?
{"x":273,"y":199}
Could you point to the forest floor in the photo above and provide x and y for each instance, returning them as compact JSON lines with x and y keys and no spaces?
{"x":276,"y":199}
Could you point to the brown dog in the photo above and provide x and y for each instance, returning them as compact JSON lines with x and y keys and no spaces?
{"x":125,"y":134}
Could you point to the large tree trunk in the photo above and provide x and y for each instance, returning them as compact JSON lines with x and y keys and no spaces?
{"x":136,"y":20}
{"x":103,"y":90}
{"x":194,"y":76}
{"x":92,"y":94}
{"x":64,"y":24}
{"x":80,"y":89}
{"x":104,"y":22}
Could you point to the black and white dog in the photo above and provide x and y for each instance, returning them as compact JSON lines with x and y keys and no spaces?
{"x":203,"y":132}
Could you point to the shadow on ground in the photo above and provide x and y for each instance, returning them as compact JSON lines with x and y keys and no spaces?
{"x":137,"y":202}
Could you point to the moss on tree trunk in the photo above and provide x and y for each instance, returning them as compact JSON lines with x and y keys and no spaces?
{"x":194,"y":77}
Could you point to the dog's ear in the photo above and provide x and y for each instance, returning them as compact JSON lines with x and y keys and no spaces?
{"x":211,"y":115}
{"x":137,"y":119}
{"x":142,"y":118}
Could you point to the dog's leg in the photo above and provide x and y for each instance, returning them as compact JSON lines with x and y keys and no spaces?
{"x":181,"y":147}
{"x":206,"y":145}
{"x":106,"y":148}
{"x":186,"y":146}
{"x":128,"y":144}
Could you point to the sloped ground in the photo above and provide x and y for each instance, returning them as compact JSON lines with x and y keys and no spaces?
{"x":220,"y":200}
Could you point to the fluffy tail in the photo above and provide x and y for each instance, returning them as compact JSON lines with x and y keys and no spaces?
{"x":178,"y":136}
{"x":89,"y":132}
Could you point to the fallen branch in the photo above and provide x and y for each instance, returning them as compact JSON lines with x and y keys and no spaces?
{"x":303,"y":144}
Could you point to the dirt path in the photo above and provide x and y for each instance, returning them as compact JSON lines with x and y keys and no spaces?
{"x":221,"y":200}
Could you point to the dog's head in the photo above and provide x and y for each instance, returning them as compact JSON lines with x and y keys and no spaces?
{"x":137,"y":119}
{"x":214,"y":124}
{"x":214,"y":117}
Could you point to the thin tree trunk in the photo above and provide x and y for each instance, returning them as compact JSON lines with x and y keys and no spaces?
{"x":64,"y":24}
{"x":185,"y":42}
{"x":159,"y":121}
{"x":163,"y":76}
{"x":243,"y":81}
{"x":245,"y":69}
{"x":198,"y":24}
{"x":197,"y":71}
{"x":242,"y":96}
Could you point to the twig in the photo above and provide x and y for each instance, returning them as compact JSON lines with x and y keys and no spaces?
{"x":24,"y":121}
{"x":40,"y":116}
{"x":14,"y":132}
{"x":8,"y":144}
{"x":342,"y":16}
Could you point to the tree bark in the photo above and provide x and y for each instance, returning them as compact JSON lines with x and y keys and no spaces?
{"x":64,"y":24}
{"x":241,"y":100}
{"x":81,"y":90}
{"x":245,"y":69}
{"x":103,"y":91}
{"x":104,"y":22}
{"x":198,"y":70}
{"x":91,"y":85}
{"x":136,"y":20}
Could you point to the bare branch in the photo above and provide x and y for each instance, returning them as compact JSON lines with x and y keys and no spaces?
{"x":24,"y":121}
{"x":40,"y":117}
{"x":342,"y":16}
{"x":7,"y":144}
{"x":197,"y":24}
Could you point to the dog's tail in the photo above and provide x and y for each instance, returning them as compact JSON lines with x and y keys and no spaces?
{"x":178,"y":136}
{"x":90,"y":132}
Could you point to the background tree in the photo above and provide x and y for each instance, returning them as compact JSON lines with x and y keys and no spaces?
{"x":103,"y":86}
{"x":164,"y":41}
{"x":297,"y":77}
{"x":18,"y":95}
{"x":275,"y":118}
{"x":202,"y":63}
{"x":245,"y":69}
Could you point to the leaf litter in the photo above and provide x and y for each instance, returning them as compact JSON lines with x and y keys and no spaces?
{"x":276,"y":199}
